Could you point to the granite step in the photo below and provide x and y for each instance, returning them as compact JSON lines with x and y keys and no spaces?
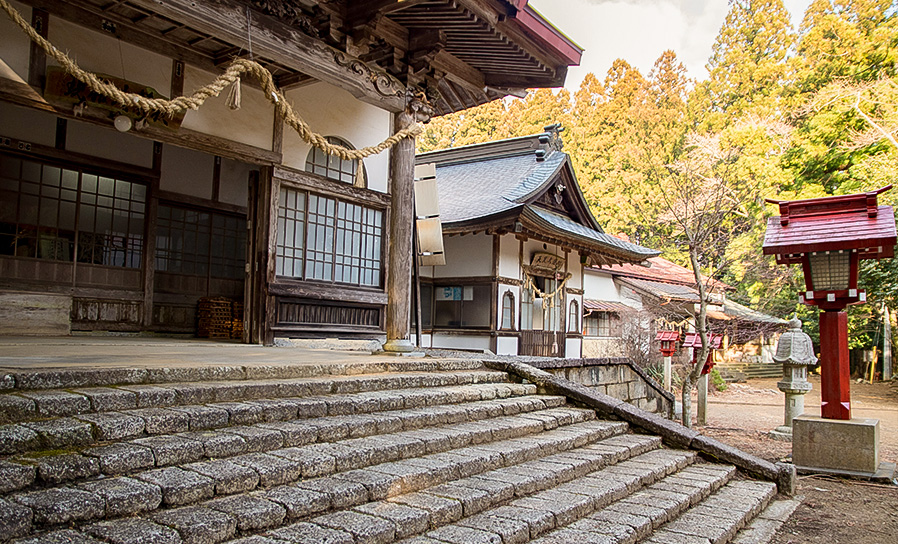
{"x":407,"y":427}
{"x":567,"y":512}
{"x":21,"y":405}
{"x":189,"y":482}
{"x":84,"y":376}
{"x":89,"y":429}
{"x":717,"y":519}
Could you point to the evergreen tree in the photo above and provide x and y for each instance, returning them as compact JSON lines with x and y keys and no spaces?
{"x":748,"y":63}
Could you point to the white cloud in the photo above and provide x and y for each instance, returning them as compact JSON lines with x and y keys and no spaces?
{"x":638,"y":31}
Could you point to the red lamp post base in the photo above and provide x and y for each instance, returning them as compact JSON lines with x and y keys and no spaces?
{"x":835,"y":376}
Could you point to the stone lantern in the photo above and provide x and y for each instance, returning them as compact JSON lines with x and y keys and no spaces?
{"x":796,"y":353}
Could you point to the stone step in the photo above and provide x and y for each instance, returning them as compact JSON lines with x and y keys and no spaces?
{"x":85,"y":430}
{"x":81,"y":376}
{"x":27,"y":405}
{"x":591,"y":508}
{"x":190,"y":482}
{"x":299,"y":496}
{"x":408,"y":426}
{"x":762,"y":529}
{"x":434,"y":506}
{"x":717,"y":519}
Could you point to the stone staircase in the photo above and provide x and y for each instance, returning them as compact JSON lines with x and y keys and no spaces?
{"x":423,"y":452}
{"x":747,"y":371}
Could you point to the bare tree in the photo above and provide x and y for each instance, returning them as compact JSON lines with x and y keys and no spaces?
{"x":702,"y":198}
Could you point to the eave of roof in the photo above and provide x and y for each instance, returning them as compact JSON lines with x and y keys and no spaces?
{"x":534,"y":23}
{"x":606,"y":306}
{"x":604,"y":243}
{"x":853,"y":229}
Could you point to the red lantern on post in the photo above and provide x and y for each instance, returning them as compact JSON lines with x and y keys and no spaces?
{"x":828,"y":237}
{"x":693,"y":340}
{"x":668,"y":341}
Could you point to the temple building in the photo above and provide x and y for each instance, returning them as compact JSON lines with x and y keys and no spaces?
{"x":517,"y":236}
{"x":114,"y":218}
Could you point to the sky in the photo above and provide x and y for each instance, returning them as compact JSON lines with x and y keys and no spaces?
{"x":638,"y":31}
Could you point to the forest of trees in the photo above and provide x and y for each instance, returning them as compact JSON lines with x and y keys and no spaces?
{"x":785,"y":113}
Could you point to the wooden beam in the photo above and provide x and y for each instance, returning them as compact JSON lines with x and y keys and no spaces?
{"x":23,"y":95}
{"x":37,"y":61}
{"x":318,"y":184}
{"x":94,"y":18}
{"x":227,"y":20}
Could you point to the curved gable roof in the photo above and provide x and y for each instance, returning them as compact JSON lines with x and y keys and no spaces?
{"x":496,"y":184}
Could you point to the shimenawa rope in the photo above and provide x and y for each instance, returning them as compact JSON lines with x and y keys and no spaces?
{"x":238,"y":68}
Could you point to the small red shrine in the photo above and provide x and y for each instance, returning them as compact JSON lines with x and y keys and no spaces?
{"x":828,"y":237}
{"x":668,"y":341}
{"x":694,"y":340}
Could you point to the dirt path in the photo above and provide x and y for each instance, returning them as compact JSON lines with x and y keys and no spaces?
{"x":833,"y":510}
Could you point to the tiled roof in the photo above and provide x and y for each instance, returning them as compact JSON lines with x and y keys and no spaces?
{"x":473,"y":189}
{"x":665,"y":291}
{"x":605,"y":306}
{"x":744,"y":313}
{"x":567,"y":225}
{"x":660,"y":270}
{"x":501,"y":180}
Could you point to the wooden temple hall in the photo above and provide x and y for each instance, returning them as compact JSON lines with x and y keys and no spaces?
{"x":124,"y":218}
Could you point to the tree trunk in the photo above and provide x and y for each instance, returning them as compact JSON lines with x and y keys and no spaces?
{"x":688,"y":382}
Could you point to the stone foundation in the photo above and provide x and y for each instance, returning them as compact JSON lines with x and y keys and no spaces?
{"x":849,"y":446}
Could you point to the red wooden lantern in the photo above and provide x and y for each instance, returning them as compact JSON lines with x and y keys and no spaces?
{"x":828,"y":237}
{"x":693,"y":340}
{"x":668,"y":341}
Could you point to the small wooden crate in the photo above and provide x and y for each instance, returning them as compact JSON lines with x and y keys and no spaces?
{"x":214,"y":317}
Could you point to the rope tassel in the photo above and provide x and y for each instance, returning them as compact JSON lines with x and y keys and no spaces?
{"x":233,"y":101}
{"x":250,"y":68}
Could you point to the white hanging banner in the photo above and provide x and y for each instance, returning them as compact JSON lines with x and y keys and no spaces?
{"x":427,"y":217}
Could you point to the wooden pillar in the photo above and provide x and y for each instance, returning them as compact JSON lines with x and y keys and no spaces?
{"x":835,"y":375}
{"x":399,"y":255}
{"x":702,"y":412}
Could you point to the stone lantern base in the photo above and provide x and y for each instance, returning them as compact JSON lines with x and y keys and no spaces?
{"x":841,"y":447}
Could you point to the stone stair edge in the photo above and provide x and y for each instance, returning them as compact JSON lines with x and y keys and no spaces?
{"x":671,"y":432}
{"x":21,"y":406}
{"x":609,"y":432}
{"x":219,"y":444}
{"x":12,"y":379}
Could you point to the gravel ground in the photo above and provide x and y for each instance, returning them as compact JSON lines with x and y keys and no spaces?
{"x":833,"y":510}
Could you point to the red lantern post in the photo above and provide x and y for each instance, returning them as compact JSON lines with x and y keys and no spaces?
{"x":668,"y":341}
{"x":828,"y":237}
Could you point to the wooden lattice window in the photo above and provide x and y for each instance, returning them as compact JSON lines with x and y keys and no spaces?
{"x":327,"y":239}
{"x":200,"y":243}
{"x":335,"y":168}
{"x":69,"y":214}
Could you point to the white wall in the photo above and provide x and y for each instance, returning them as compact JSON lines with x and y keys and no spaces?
{"x":29,"y":125}
{"x":509,"y":257}
{"x":15,"y":47}
{"x":252,"y":124}
{"x":108,"y":143}
{"x":470,"y":255}
{"x":461,"y":342}
{"x":331,"y":111}
{"x":599,"y":286}
{"x":572,"y":348}
{"x":575,"y":269}
{"x":234,"y":182}
{"x":506,"y":345}
{"x":101,"y":52}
